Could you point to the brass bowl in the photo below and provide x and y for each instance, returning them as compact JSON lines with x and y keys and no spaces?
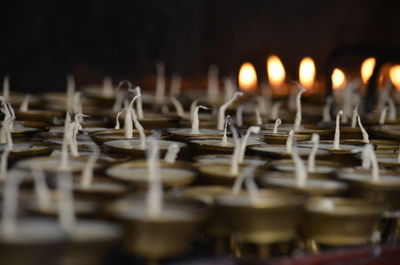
{"x":218,"y":173}
{"x":46,"y":116}
{"x":224,"y":158}
{"x":209,"y":194}
{"x":271,"y":219}
{"x":315,"y":185}
{"x":102,"y":136}
{"x":280,"y":138}
{"x":90,"y":241}
{"x":125,"y":173}
{"x":380,"y":144}
{"x":183,"y":134}
{"x":323,"y":168}
{"x":152,"y":121}
{"x":38,"y":241}
{"x":29,"y":128}
{"x":214,"y":146}
{"x":100,"y":190}
{"x":385,"y":191}
{"x":158,"y":237}
{"x":22,"y":149}
{"x":279,"y":151}
{"x":388,"y":131}
{"x":131,"y":147}
{"x":340,"y":221}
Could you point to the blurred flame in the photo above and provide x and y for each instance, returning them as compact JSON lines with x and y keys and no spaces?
{"x":276,"y":71}
{"x":394,"y":74}
{"x":338,"y":79}
{"x":247,"y":77}
{"x":307,"y":72}
{"x":367,"y":68}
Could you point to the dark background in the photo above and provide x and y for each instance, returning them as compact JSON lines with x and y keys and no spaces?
{"x":42,"y":41}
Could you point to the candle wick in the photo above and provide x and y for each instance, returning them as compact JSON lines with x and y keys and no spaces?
{"x":87,"y":173}
{"x":354,"y":117}
{"x":300,"y":169}
{"x":229,"y":88}
{"x":224,"y":141}
{"x":250,"y":130}
{"x":382,"y":117}
{"x":248,"y":172}
{"x":259,"y":121}
{"x":363,"y":131}
{"x":41,"y":189}
{"x":311,"y":157}
{"x":239,"y":116}
{"x":6,"y":87}
{"x":392,"y":109}
{"x":160,"y":83}
{"x":155,"y":193}
{"x":336,"y":141}
{"x":107,"y":87}
{"x":10,"y":205}
{"x":70,"y":91}
{"x":326,"y":116}
{"x":66,"y":209}
{"x":289,"y":142}
{"x":234,"y":169}
{"x":176,"y":83}
{"x":178,"y":106}
{"x":213,"y":83}
{"x":24,"y":107}
{"x":172,"y":153}
{"x":298,"y":117}
{"x":275,"y":110}
{"x":276,"y":125}
{"x":222,"y":109}
{"x":195,"y":119}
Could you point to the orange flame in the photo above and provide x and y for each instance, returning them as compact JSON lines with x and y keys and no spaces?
{"x":367,"y":68}
{"x":276,"y":71}
{"x":394,"y":74}
{"x":247,"y":77}
{"x":307,"y":72}
{"x":338,"y":79}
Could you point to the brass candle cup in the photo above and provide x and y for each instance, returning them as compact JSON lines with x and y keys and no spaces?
{"x":314,"y":185}
{"x":89,"y":241}
{"x":281,"y":137}
{"x":100,"y":190}
{"x":379,"y":144}
{"x":224,"y":158}
{"x":155,"y":238}
{"x":340,"y":221}
{"x":37,"y":241}
{"x":219,"y":173}
{"x":323,"y":168}
{"x":135,"y":173}
{"x":46,"y":116}
{"x":280,"y":151}
{"x":23,"y":129}
{"x":131,"y":147}
{"x":387,"y":131}
{"x":183,"y":134}
{"x":385,"y":191}
{"x":204,"y":146}
{"x":26,"y":149}
{"x":102,"y":136}
{"x":272,"y":218}
{"x":153,"y":120}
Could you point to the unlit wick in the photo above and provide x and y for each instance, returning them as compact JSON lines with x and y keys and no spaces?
{"x":178,"y":106}
{"x":243,"y":142}
{"x":234,"y":168}
{"x":172,"y":153}
{"x":195,"y":119}
{"x":300,"y":169}
{"x":222,"y":109}
{"x":289,"y":142}
{"x":224,"y":141}
{"x":87,"y":172}
{"x":336,"y":140}
{"x":24,"y":107}
{"x":176,"y":83}
{"x":297,"y":121}
{"x":41,"y":189}
{"x":276,"y":125}
{"x":239,"y":116}
{"x":275,"y":110}
{"x":326,"y":112}
{"x":311,"y":157}
{"x":160,"y":83}
{"x":154,"y":196}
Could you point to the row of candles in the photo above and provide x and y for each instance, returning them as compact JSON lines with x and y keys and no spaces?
{"x":307,"y":74}
{"x":133,"y":143}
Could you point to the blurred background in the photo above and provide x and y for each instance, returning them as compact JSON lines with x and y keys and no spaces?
{"x":42,"y":41}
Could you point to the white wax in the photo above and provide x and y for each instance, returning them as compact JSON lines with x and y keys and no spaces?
{"x":32,"y":231}
{"x":322,"y":184}
{"x":185,"y":131}
{"x":359,"y":176}
{"x":167,"y":214}
{"x":141,"y":174}
{"x":282,"y":150}
{"x":51,"y":164}
{"x":227,"y":160}
{"x":135,"y":144}
{"x":318,"y":168}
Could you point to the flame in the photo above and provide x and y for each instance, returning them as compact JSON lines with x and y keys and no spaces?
{"x":307,"y":72}
{"x":247,"y":77}
{"x":338,"y":79}
{"x":367,"y":67}
{"x":276,"y":71}
{"x":394,"y":74}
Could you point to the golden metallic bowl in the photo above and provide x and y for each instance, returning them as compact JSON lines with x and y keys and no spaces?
{"x":46,"y":116}
{"x":158,"y":237}
{"x":134,"y":173}
{"x":38,"y":241}
{"x":271,"y":219}
{"x":340,"y":221}
{"x":385,"y":191}
{"x":102,"y":136}
{"x":315,"y":185}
